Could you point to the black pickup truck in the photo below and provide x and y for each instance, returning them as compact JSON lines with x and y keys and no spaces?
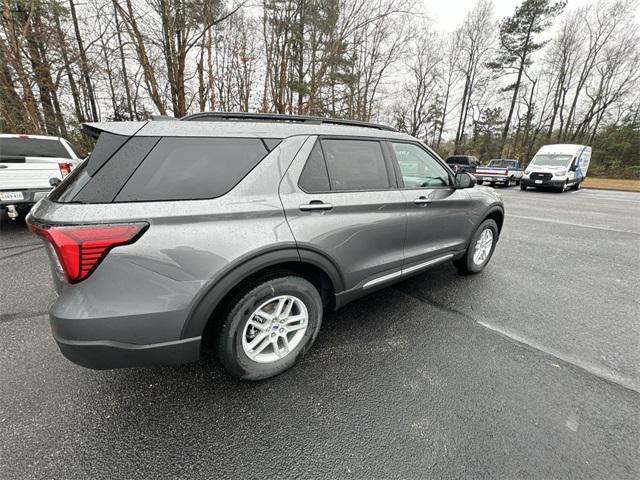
{"x":463,"y":163}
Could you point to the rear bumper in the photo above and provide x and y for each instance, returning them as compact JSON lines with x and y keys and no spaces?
{"x":105,"y":354}
{"x":491,"y":178}
{"x":30,"y":197}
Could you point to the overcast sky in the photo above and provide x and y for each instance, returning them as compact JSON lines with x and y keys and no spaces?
{"x":448,"y":14}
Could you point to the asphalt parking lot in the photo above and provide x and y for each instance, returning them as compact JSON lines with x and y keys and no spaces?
{"x":528,"y":370}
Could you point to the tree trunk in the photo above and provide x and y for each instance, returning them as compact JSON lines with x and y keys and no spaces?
{"x":123,"y":63}
{"x":84,"y":64}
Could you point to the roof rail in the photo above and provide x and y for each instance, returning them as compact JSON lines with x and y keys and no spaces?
{"x":162,"y":118}
{"x":275,"y":117}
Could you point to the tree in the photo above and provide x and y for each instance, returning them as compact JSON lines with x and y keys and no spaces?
{"x":476,"y":40}
{"x":518,"y":43}
{"x":486,"y":132}
{"x":417,"y":113}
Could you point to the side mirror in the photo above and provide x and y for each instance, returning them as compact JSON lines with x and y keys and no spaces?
{"x":464,"y":180}
{"x":573,"y":168}
{"x":54,"y":182}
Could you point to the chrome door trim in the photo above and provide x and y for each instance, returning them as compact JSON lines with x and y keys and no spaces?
{"x":406,"y":271}
{"x":426,"y":264}
{"x":382,"y":279}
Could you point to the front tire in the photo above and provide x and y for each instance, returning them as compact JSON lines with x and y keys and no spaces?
{"x":269,"y":327}
{"x":480,"y":249}
{"x":523,"y":186}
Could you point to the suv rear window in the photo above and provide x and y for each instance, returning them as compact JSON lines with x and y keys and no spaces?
{"x":32,"y":147}
{"x":130,"y":169}
{"x":192,"y":168}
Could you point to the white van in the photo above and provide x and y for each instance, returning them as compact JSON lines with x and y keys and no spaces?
{"x":557,"y":166}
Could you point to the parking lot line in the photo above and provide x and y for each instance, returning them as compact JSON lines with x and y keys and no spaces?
{"x":548,"y":220}
{"x":586,"y":366}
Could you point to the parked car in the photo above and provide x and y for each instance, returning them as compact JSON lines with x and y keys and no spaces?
{"x":248,"y":226}
{"x":27,"y":165}
{"x":463,"y":163}
{"x":500,"y":171}
{"x":559,"y":167}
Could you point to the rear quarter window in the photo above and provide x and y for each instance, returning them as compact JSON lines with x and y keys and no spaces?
{"x":192,"y":168}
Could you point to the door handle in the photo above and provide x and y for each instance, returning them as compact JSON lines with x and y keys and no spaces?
{"x":422,"y":201}
{"x":315,"y":205}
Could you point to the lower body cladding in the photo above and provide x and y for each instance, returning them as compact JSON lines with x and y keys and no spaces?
{"x":102,"y":355}
{"x":106,"y":354}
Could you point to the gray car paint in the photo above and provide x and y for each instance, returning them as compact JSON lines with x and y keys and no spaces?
{"x":148,"y":293}
{"x":143,"y":292}
{"x":363,"y":232}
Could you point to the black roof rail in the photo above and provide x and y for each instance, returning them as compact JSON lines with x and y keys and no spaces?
{"x":276,"y":117}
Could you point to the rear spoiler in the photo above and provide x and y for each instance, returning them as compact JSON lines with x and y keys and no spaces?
{"x":94,"y":129}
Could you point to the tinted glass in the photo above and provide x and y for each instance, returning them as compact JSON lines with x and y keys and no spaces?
{"x":32,"y":147}
{"x":106,"y":146}
{"x":71,"y":185}
{"x":355,"y":165}
{"x":315,"y":177}
{"x":418,"y":168}
{"x":105,"y":184}
{"x":192,"y":168}
{"x":271,"y":143}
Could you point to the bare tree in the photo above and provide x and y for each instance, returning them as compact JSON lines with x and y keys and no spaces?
{"x":476,"y":42}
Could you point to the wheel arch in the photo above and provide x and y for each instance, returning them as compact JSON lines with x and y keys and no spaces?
{"x":308,"y":264}
{"x":496,"y":214}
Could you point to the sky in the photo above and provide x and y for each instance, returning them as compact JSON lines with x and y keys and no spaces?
{"x":447,"y":15}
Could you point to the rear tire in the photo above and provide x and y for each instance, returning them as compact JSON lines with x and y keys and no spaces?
{"x":286,"y":336}
{"x":479,"y":251}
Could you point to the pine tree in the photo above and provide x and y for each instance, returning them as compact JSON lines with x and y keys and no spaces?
{"x":518,"y":42}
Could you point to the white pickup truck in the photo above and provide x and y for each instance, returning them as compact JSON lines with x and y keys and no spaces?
{"x":27,"y":165}
{"x":500,"y":171}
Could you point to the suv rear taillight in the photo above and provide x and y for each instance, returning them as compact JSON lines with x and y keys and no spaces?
{"x":65,"y":168}
{"x":81,"y":248}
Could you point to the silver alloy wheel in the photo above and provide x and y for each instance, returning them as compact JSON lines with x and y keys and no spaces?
{"x":483,"y":246}
{"x":275,"y":329}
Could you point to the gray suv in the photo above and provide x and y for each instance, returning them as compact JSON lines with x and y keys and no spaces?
{"x":247,"y":227}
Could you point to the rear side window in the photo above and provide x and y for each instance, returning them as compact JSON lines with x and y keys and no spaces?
{"x":355,"y":164}
{"x":315,"y":177}
{"x":192,"y":168}
{"x":32,"y":147}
